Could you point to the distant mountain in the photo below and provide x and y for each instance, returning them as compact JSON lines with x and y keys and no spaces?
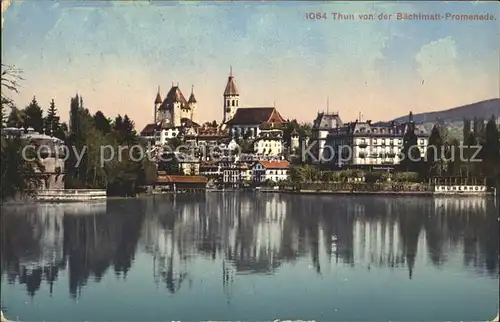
{"x":483,"y":109}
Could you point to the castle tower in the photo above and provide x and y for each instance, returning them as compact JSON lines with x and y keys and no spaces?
{"x":158,"y":102}
{"x":192,"y":104}
{"x":173,"y":107}
{"x":231,"y":98}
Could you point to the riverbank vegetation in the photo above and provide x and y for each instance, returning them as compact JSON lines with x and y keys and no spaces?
{"x":85,"y":132}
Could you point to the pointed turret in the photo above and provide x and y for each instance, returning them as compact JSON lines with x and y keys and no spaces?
{"x":231,"y":89}
{"x":158,"y":99}
{"x":192,"y":103}
{"x":192,"y":99}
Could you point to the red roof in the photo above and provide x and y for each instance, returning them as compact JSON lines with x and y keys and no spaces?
{"x":282,"y":164}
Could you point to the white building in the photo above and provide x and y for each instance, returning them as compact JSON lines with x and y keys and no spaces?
{"x":275,"y":171}
{"x":52,"y":153}
{"x":372,"y":145}
{"x":269,"y":143}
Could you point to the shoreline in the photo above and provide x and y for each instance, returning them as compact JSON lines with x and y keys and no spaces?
{"x":378,"y":193}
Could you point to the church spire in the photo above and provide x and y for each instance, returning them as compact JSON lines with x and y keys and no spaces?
{"x":231,"y":89}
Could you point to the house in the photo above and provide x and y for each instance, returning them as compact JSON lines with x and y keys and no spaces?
{"x":52,"y":154}
{"x":210,"y":169}
{"x":322,"y":125}
{"x":275,"y":171}
{"x":363,"y":144}
{"x":269,"y":143}
{"x":180,"y":182}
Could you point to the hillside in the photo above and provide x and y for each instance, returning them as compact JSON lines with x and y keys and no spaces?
{"x":452,"y":119}
{"x":483,"y":109}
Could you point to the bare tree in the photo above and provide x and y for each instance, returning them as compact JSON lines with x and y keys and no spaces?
{"x":11,"y":78}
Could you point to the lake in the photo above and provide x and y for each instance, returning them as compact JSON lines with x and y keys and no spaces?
{"x":251,"y":256}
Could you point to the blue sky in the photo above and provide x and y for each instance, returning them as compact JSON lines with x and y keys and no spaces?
{"x":116,"y":54}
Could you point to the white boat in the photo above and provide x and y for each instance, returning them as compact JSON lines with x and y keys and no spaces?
{"x":70,"y":195}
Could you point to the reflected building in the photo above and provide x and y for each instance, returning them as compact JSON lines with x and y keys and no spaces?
{"x":246,"y":233}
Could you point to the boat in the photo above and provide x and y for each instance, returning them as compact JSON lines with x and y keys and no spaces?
{"x":70,"y":195}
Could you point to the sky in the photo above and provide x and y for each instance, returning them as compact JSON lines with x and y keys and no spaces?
{"x":116,"y":54}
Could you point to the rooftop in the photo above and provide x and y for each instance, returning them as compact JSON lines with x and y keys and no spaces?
{"x":256,"y":116}
{"x":281,"y":164}
{"x":181,"y":179}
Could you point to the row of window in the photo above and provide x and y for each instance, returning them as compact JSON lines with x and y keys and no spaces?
{"x":232,"y":103}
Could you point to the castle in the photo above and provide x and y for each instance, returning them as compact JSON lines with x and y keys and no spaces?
{"x":175,"y":115}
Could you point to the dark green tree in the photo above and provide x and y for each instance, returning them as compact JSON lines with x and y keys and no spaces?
{"x":15,"y":118}
{"x":102,"y":123}
{"x":80,"y":123}
{"x":128,"y":131}
{"x":411,"y":158}
{"x":490,"y":153}
{"x":434,"y":152}
{"x":52,"y":121}
{"x":169,"y":163}
{"x":18,"y":172}
{"x":33,"y":116}
{"x":118,"y":124}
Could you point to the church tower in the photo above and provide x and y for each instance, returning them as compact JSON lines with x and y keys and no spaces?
{"x":192,"y":104}
{"x":231,"y":98}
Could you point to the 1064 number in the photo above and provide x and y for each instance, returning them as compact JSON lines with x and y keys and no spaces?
{"x":315,"y":15}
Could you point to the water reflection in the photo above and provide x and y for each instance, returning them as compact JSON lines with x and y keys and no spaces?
{"x":244,"y":234}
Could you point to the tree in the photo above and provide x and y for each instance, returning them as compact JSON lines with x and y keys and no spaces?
{"x":410,"y":153}
{"x":52,"y":122}
{"x":15,"y":118}
{"x":118,"y":124}
{"x":434,"y":151}
{"x":302,"y":129}
{"x":11,"y":76}
{"x":102,"y":123}
{"x":80,"y":124}
{"x":170,"y":164}
{"x":33,"y":116}
{"x":491,"y":149}
{"x":128,"y":132}
{"x":18,"y":172}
